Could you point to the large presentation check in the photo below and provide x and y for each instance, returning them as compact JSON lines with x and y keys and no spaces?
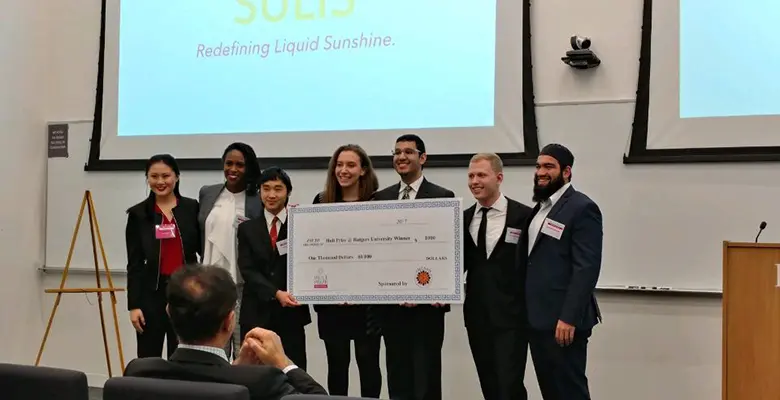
{"x":376,"y":252}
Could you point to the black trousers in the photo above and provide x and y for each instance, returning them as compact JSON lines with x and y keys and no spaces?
{"x":367,"y":357}
{"x":500,"y":355}
{"x":413,"y":355}
{"x":560,"y":370}
{"x":293,"y":340}
{"x":157,"y":326}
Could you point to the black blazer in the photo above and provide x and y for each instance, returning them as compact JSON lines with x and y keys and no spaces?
{"x":143,"y":248}
{"x":392,"y":314}
{"x":341,"y":321}
{"x":491,"y":283}
{"x":264,"y":272}
{"x":561,"y":274}
{"x":263,"y":382}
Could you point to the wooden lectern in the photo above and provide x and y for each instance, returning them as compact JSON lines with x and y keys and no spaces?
{"x":751,"y":321}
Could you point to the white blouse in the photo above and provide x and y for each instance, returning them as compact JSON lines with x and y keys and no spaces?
{"x":221,"y":225}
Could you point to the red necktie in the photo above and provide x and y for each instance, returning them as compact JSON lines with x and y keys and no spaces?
{"x":274,"y":232}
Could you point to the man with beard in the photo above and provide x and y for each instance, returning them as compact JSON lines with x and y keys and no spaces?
{"x":414,"y":333}
{"x":560,"y":252}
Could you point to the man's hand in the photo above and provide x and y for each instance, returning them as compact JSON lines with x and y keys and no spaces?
{"x":267,"y":346}
{"x":286,"y":299}
{"x":564,"y":333}
{"x":409,"y":305}
{"x":247,"y":355}
{"x":438,"y":305}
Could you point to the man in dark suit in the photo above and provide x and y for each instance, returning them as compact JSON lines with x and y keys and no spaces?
{"x":560,"y":252}
{"x":413,"y":333}
{"x":201,"y":305}
{"x":494,"y":311}
{"x":262,"y":262}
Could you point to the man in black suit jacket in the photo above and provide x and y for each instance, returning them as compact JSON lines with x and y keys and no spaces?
{"x":413,"y":333}
{"x":561,"y":254}
{"x":262,"y":262}
{"x":201,"y":305}
{"x":494,"y":311}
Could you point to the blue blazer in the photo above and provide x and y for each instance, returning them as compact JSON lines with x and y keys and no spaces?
{"x":561,"y":274}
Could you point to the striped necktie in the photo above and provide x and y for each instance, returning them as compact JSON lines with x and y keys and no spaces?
{"x":407,"y":189}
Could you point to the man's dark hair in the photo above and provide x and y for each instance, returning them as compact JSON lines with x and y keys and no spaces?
{"x":275,"y":173}
{"x":410,"y":137}
{"x":199,"y":299}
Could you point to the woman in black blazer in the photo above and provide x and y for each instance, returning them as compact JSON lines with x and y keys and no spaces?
{"x":161,"y":235}
{"x":351,"y":177}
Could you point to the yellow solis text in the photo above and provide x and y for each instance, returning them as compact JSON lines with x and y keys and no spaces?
{"x":280,"y":10}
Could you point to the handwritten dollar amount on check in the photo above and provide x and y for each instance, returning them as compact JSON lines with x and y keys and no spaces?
{"x":318,"y":242}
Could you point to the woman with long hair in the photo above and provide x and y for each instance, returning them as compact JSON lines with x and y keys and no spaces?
{"x":161,"y":235}
{"x":351,"y":177}
{"x":222,"y":207}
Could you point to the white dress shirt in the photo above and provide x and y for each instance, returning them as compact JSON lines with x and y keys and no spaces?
{"x":269,"y":219}
{"x":208,"y":349}
{"x":415,"y":188}
{"x":496,"y":219}
{"x":541,"y":215}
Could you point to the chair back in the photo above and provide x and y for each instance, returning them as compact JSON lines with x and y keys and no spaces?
{"x":320,"y":397}
{"x":25,"y":382}
{"x":134,"y":388}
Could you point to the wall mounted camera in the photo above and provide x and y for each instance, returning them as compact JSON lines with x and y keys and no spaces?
{"x":580,"y":56}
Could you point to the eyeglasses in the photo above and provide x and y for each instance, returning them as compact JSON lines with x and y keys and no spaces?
{"x":408,"y":152}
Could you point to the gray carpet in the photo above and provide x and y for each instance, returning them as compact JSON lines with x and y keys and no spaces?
{"x":95,"y":394}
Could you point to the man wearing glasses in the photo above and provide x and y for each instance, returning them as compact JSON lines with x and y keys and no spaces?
{"x":413,"y":333}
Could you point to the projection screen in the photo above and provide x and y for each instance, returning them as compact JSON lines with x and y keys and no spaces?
{"x":712,"y":81}
{"x":297,"y":78}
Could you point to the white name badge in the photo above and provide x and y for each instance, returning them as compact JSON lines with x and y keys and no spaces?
{"x":282,"y":247}
{"x":512,"y":235}
{"x":553,"y":228}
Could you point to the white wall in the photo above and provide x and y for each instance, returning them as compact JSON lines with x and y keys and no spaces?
{"x":648,"y":347}
{"x":22,"y":137}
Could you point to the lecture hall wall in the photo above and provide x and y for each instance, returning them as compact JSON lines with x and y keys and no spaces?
{"x":648,"y":347}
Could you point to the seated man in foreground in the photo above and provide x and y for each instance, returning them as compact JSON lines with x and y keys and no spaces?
{"x":201,"y":300}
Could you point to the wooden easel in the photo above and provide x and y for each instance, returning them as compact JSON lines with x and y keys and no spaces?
{"x":94,"y":231}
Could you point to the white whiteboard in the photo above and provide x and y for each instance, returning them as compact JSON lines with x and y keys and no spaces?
{"x":663,"y":224}
{"x":112,"y":192}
